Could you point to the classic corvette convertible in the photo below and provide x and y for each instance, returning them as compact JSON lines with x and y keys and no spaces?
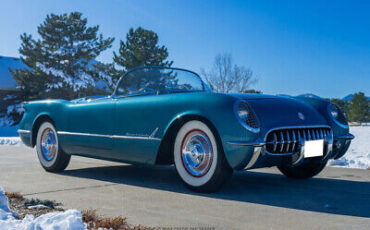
{"x":159,"y":115}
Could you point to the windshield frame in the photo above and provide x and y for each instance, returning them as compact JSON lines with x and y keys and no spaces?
{"x":206,"y":88}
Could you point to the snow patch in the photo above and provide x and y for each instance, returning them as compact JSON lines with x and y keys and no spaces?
{"x":14,"y":141}
{"x":83,"y":80}
{"x":5,"y":212}
{"x":358,"y":154}
{"x":39,"y":206}
{"x":70,"y":219}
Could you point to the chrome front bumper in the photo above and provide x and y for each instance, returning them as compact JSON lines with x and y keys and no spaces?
{"x":297,"y":157}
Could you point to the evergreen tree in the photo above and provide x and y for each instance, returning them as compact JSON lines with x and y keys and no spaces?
{"x":59,"y":63}
{"x":141,"y":49}
{"x":359,"y":109}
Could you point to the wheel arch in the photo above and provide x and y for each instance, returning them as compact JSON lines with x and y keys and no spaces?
{"x":41,"y":118}
{"x":164,"y":154}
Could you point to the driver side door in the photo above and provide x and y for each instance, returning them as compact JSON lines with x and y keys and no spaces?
{"x":90,"y":127}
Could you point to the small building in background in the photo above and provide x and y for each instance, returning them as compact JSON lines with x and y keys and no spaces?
{"x":8,"y":86}
{"x":7,"y":82}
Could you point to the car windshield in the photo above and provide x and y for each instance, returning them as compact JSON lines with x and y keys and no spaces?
{"x":147,"y":80}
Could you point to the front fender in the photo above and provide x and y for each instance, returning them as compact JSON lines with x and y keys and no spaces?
{"x":34,"y":111}
{"x":219,"y":111}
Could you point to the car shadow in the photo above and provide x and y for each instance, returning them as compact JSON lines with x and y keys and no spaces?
{"x":333,"y":196}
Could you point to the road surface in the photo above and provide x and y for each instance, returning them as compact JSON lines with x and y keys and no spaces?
{"x":154,"y":196}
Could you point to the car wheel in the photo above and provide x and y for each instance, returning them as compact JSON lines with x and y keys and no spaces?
{"x":303,"y":171}
{"x":199,"y":158}
{"x":51,"y":156}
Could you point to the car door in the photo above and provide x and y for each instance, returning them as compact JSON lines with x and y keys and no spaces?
{"x":137,"y":135}
{"x":144,"y":107}
{"x":90,"y":127}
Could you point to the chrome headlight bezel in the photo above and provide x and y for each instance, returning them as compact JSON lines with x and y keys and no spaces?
{"x":334,"y":109}
{"x":248,"y":112}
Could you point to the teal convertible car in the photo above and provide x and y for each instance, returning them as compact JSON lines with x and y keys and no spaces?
{"x":161,"y":115}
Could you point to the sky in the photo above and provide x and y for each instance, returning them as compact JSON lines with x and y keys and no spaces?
{"x":293,"y":47}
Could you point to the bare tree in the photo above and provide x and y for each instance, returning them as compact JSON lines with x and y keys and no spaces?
{"x":226,"y":77}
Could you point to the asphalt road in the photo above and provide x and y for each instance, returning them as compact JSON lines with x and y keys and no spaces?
{"x":155,"y":196}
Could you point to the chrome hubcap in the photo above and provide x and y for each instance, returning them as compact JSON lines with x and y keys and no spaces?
{"x":48,"y":144}
{"x":197,"y":153}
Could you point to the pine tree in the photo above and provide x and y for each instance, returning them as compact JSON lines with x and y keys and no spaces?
{"x":359,"y":109}
{"x":59,"y":63}
{"x":141,"y":49}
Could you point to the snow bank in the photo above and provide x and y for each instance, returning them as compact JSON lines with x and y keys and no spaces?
{"x":70,"y":219}
{"x":358,"y":154}
{"x":5,"y":212}
{"x":15,"y":141}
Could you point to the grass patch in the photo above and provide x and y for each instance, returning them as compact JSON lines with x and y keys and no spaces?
{"x":20,"y":204}
{"x":14,"y":195}
{"x":95,"y":221}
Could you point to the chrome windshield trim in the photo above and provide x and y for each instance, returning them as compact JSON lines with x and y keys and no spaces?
{"x":348,"y":136}
{"x":206,"y":88}
{"x":23,"y":131}
{"x":149,"y":138}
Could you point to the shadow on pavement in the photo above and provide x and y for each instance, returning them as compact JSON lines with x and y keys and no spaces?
{"x":333,"y":196}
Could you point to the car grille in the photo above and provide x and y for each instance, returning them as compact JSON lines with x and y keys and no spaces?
{"x":282,"y":141}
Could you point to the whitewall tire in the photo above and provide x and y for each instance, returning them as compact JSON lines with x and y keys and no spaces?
{"x":51,"y":156}
{"x":199,"y":158}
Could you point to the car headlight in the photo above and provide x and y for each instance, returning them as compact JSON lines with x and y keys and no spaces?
{"x":337,"y":115}
{"x":246,"y":116}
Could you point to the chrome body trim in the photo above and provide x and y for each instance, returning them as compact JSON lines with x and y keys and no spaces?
{"x":23,"y":131}
{"x":257,"y":152}
{"x":154,"y":133}
{"x":247,"y":127}
{"x":149,"y":138}
{"x":348,"y":136}
{"x":256,"y":143}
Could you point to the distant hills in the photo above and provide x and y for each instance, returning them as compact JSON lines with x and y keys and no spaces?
{"x":346,"y":98}
{"x":350,"y":96}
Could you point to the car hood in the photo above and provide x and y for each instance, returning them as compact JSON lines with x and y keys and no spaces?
{"x":255,"y":96}
{"x":281,"y":111}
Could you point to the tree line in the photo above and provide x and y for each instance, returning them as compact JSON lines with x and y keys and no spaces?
{"x":62,"y":63}
{"x":357,"y":109}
